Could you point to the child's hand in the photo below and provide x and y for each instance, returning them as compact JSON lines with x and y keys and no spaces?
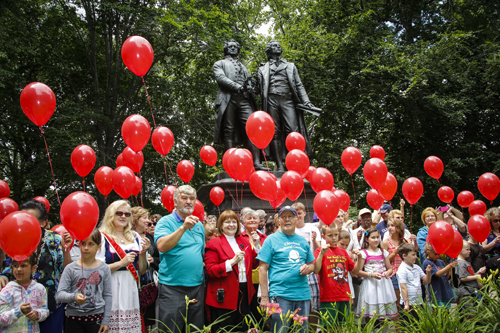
{"x":25,"y":308}
{"x":80,"y":299}
{"x":313,"y":235}
{"x":103,"y":329}
{"x":387,"y":275}
{"x":324,"y":248}
{"x":481,"y":270}
{"x":377,"y":276}
{"x":356,"y":252}
{"x":33,"y":315}
{"x":454,"y":263}
{"x":428,"y":269}
{"x":407,"y":307}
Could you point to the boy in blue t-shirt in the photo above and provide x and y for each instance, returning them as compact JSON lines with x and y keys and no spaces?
{"x":440,"y":286}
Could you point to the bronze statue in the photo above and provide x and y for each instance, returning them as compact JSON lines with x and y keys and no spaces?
{"x":234,"y":102}
{"x":284,"y":98}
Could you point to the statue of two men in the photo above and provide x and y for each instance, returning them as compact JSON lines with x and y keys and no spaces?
{"x":283,"y":97}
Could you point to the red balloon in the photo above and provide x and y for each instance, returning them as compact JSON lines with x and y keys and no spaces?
{"x":167,"y":197}
{"x":20,"y":234}
{"x":457,"y":245}
{"x":217,"y":195}
{"x":138,"y":186}
{"x":80,"y":214}
{"x":83,"y":160}
{"x":321,"y":179}
{"x":119,"y":161}
{"x":263,"y":185}
{"x":351,"y":159}
{"x":132,"y":159}
{"x":4,"y":189}
{"x":136,"y":132}
{"x":137,"y":54}
{"x":38,"y":102}
{"x":375,"y":172}
{"x":326,"y":206}
{"x":477,"y":207}
{"x":440,"y":236}
{"x":389,"y":187}
{"x":123,"y":182}
{"x":344,"y":199}
{"x":280,"y":196}
{"x":44,"y":201}
{"x":309,"y":173}
{"x":162,"y":140}
{"x":208,"y":155}
{"x":489,"y":185}
{"x":377,"y":152}
{"x":297,"y":160}
{"x":292,"y":184}
{"x":374,"y":199}
{"x":185,"y":170}
{"x":241,"y":164}
{"x":446,"y":194}
{"x":7,"y":206}
{"x":434,"y":167}
{"x":295,"y":140}
{"x":260,"y":129}
{"x":479,"y":227}
{"x":413,"y":190}
{"x":225,"y":162}
{"x":465,"y":198}
{"x":103,"y":180}
{"x":199,"y":210}
{"x":61,"y":230}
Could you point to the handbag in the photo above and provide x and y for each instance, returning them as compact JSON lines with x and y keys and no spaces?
{"x":149,"y":292}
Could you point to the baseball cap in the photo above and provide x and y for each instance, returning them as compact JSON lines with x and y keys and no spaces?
{"x":364,"y":211}
{"x":290,"y":208}
{"x":385,"y":208}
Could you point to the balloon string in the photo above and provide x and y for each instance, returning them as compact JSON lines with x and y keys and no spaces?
{"x":236,"y":184}
{"x":152,"y":115}
{"x":307,"y":209}
{"x":218,"y":210}
{"x":264,"y":204}
{"x":140,"y":176}
{"x":354,"y":191}
{"x":241,"y":196}
{"x":175,"y":180}
{"x":233,"y":197}
{"x":50,"y":162}
{"x":411,"y":219}
{"x":83,"y":182}
{"x":265,"y":159}
{"x":165,"y":168}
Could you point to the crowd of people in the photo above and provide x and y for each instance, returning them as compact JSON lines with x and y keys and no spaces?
{"x":138,"y":272}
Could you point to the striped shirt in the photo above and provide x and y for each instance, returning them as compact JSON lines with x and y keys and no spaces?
{"x":412,"y":277}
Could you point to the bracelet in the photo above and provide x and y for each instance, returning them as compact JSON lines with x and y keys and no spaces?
{"x":369,"y":274}
{"x":264,"y":296}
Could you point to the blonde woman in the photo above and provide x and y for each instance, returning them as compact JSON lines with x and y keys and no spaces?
{"x":125,"y":253}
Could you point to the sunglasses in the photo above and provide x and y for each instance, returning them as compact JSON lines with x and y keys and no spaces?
{"x":152,"y":223}
{"x":495,"y":221}
{"x":123,"y":213}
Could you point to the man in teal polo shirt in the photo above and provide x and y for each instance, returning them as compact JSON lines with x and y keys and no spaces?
{"x":286,"y":259}
{"x":180,"y":238}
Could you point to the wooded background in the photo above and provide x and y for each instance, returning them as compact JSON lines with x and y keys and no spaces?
{"x":418,"y":78}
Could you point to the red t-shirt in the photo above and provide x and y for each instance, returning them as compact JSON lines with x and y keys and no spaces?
{"x":333,"y":278}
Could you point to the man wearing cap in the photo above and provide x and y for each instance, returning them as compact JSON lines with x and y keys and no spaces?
{"x":384,"y":214}
{"x":365,"y":221}
{"x":286,"y":260}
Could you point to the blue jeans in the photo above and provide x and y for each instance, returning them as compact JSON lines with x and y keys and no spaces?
{"x":280,"y":324}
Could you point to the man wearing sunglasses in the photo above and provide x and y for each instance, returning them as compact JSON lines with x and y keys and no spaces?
{"x":180,"y":238}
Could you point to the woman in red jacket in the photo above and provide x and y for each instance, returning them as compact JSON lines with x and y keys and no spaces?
{"x":229,"y":260}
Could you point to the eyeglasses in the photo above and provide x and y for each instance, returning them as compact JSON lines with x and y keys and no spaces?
{"x":152,"y":223}
{"x":123,"y":213}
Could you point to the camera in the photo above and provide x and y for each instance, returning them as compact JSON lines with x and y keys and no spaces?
{"x":220,"y":295}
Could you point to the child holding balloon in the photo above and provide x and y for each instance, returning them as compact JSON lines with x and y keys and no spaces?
{"x":377,"y":294}
{"x":440,"y":286}
{"x":86,"y":287}
{"x":23,"y":302}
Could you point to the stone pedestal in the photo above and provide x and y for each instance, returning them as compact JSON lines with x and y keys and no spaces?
{"x":238,"y":195}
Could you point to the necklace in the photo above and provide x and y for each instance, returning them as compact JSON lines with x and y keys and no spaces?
{"x":122,"y":241}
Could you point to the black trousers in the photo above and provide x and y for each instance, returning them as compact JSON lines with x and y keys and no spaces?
{"x":73,"y":325}
{"x":235,"y":117}
{"x":282,"y":109}
{"x":233,"y":317}
{"x":172,"y":307}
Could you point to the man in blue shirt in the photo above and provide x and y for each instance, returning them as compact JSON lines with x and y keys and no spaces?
{"x":180,"y":238}
{"x":288,"y":259}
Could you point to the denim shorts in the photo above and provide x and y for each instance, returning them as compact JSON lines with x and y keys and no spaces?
{"x":395,"y":283}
